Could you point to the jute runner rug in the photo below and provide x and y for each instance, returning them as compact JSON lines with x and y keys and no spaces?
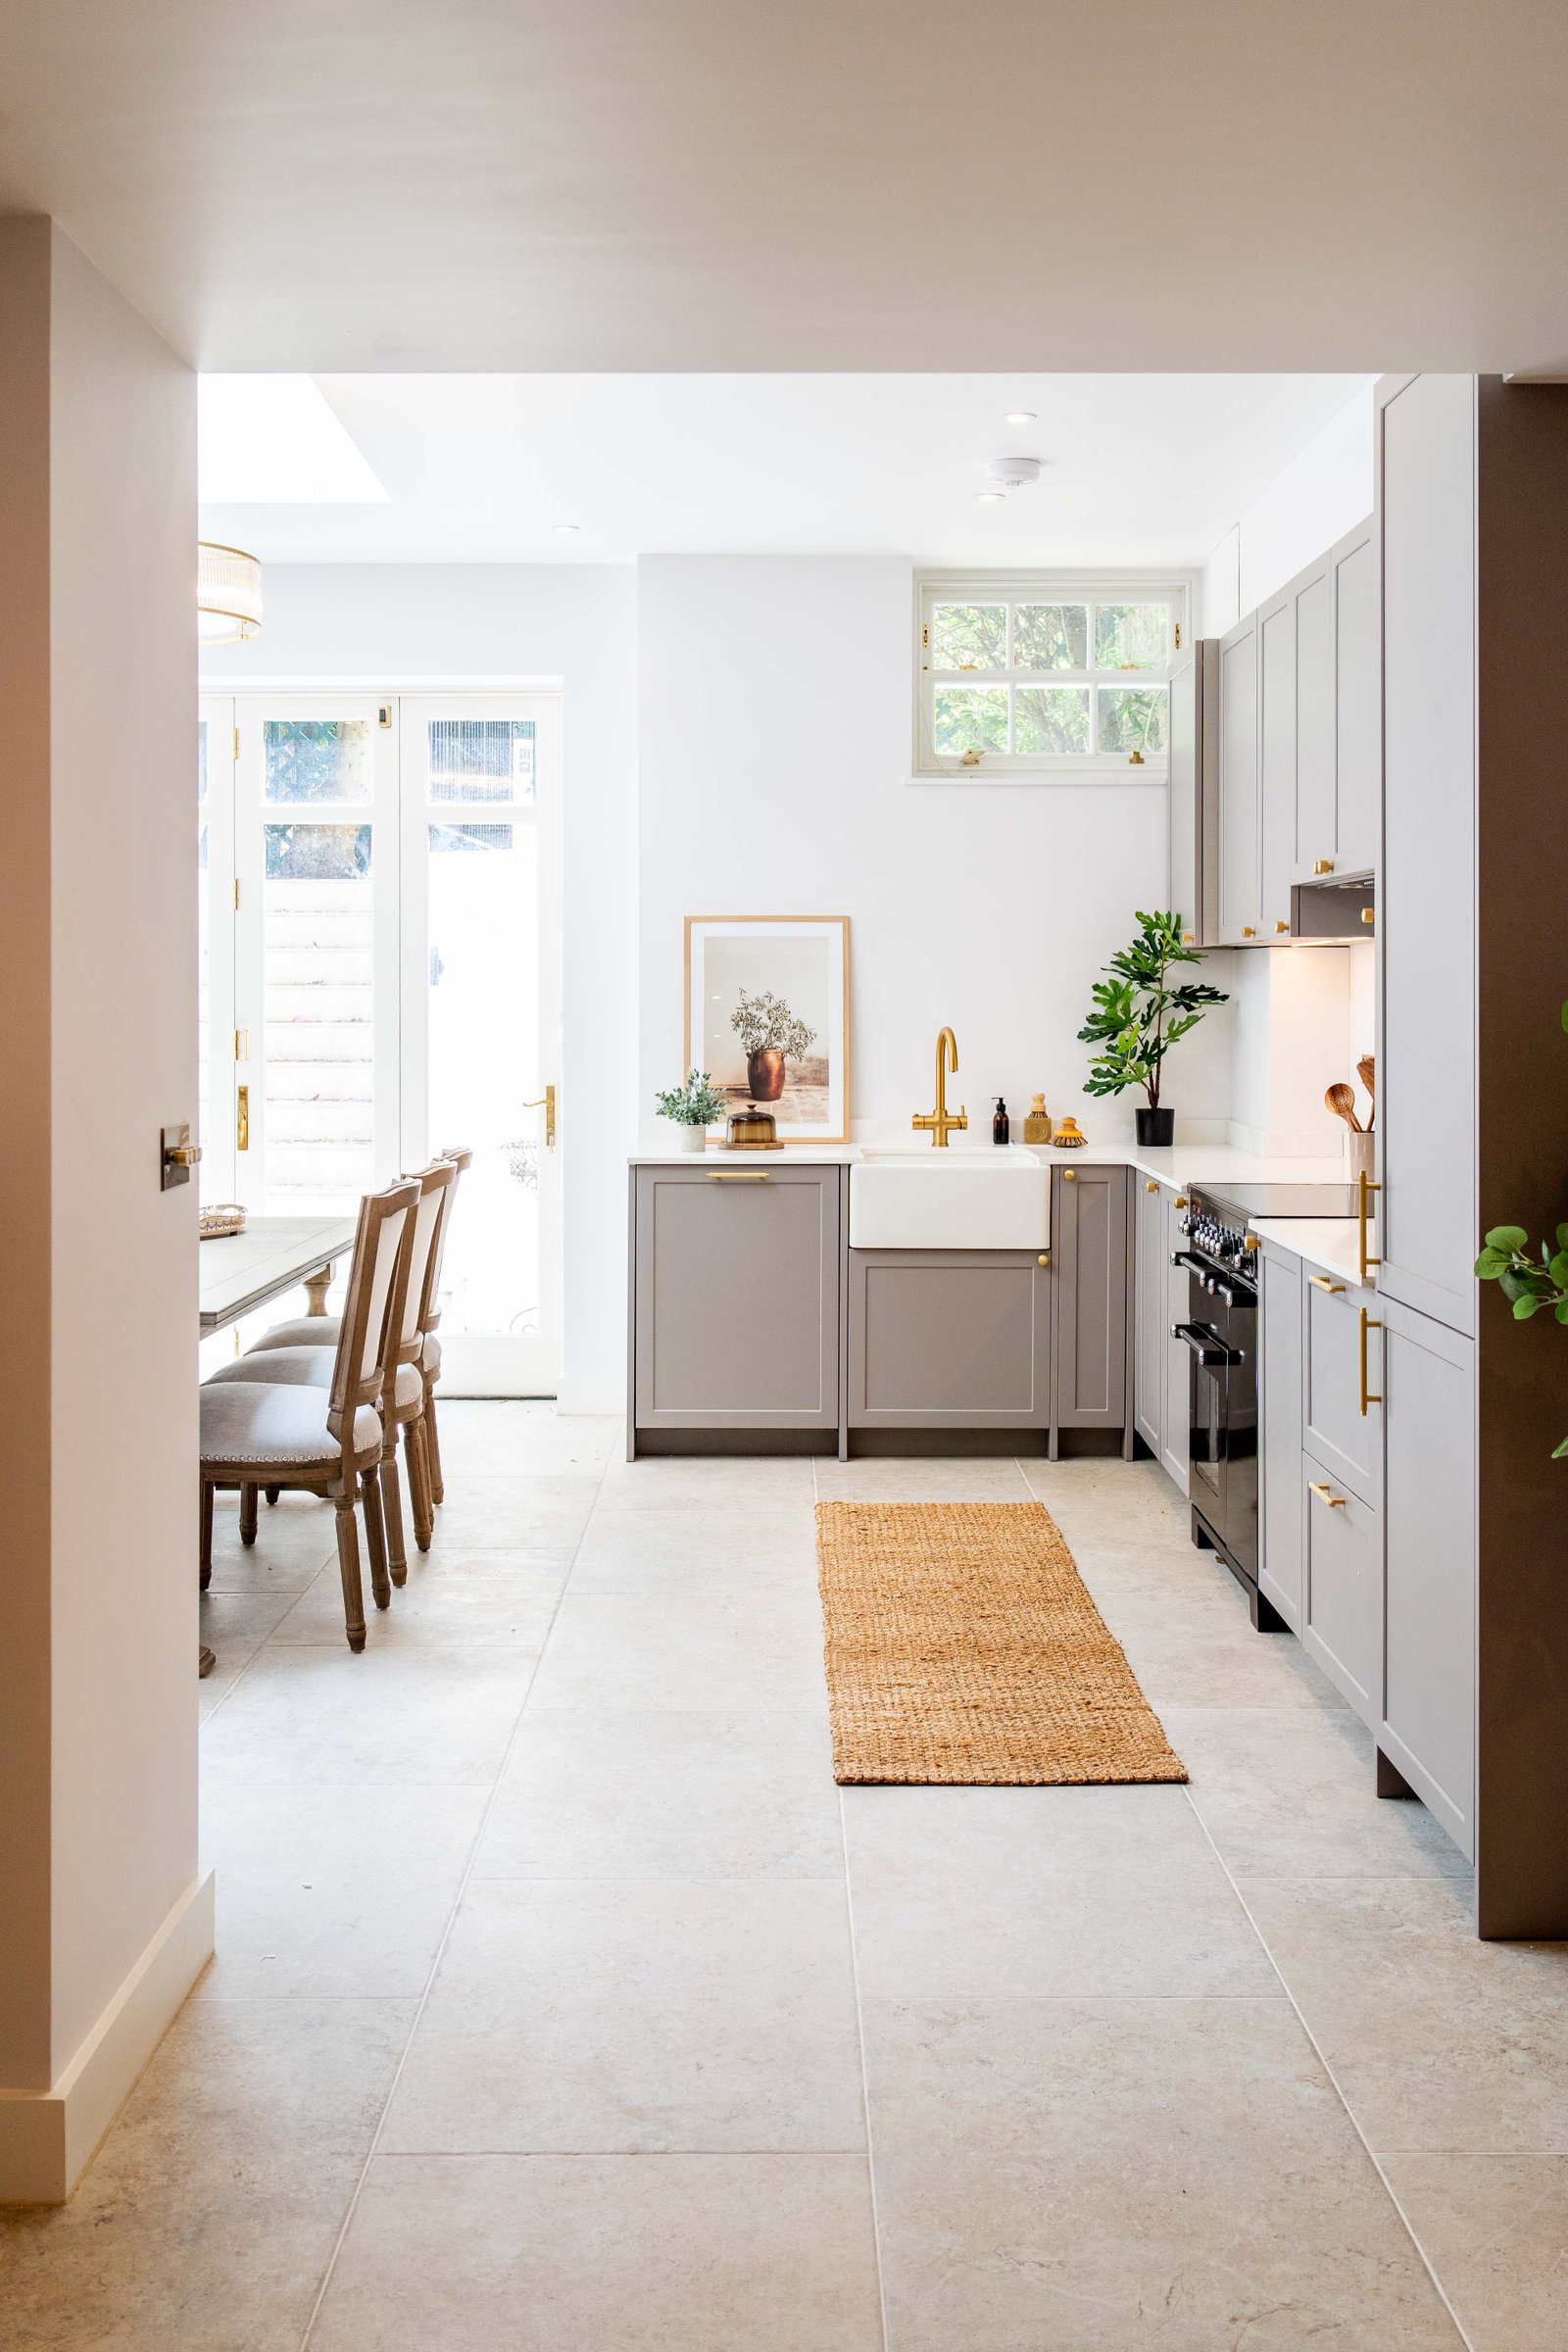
{"x":961,"y":1646}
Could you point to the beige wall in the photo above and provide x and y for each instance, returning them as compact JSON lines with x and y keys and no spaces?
{"x":97,"y":1050}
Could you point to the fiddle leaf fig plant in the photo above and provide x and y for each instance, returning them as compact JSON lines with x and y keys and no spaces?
{"x":1528,"y":1283}
{"x":696,"y":1104}
{"x":1142,"y":1010}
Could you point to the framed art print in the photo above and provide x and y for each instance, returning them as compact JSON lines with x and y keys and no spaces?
{"x":768,"y":1016}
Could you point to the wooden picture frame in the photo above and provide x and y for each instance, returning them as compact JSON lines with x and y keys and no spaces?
{"x":799,"y":966}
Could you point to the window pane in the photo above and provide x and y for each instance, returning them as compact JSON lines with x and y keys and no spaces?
{"x":480,"y":759}
{"x":971,"y":718}
{"x":318,"y":1017}
{"x":446,"y":839}
{"x":1053,"y":718}
{"x":316,"y":758}
{"x":1132,"y":636}
{"x":1132,"y":718}
{"x":969,"y":637}
{"x":1051,"y":637}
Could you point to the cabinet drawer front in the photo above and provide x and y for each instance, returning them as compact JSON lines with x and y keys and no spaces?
{"x":1341,"y":1620}
{"x":737,"y":1298}
{"x":948,"y":1339}
{"x":1343,"y":1439}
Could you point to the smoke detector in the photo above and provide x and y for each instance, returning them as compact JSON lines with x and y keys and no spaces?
{"x":1012,"y":474}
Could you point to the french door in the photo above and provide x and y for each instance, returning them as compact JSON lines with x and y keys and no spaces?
{"x":380,"y":979}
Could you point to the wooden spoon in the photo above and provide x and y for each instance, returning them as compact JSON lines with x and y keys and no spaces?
{"x":1366,"y":1070}
{"x":1342,"y":1099}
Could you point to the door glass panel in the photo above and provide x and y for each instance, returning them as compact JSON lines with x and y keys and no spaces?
{"x":316,"y":758}
{"x":483,"y":1015}
{"x":1053,"y":718}
{"x":319,"y":991}
{"x":1051,"y":637}
{"x":1132,"y":636}
{"x":481,"y":759}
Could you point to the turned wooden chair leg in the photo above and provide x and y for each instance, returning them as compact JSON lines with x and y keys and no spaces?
{"x":375,"y":1538}
{"x":432,"y":1445}
{"x":348,"y":1561}
{"x":397,"y":1557}
{"x":247,"y":1514}
{"x":273,"y":1493}
{"x":419,"y":1466}
{"x":207,"y":1536}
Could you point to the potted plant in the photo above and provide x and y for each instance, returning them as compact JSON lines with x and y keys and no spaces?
{"x":771,"y":1034}
{"x":1138,"y":1016}
{"x":690,"y":1110}
{"x":1529,"y":1283}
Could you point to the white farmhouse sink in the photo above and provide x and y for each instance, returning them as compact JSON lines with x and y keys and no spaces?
{"x":995,"y":1196}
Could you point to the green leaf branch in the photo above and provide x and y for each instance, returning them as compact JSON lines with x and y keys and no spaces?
{"x":1529,"y":1283}
{"x":1139,"y":1013}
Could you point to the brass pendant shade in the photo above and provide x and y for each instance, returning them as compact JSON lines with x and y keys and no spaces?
{"x":229,"y":594}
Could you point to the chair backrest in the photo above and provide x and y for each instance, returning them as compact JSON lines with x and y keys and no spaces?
{"x":435,"y":1183}
{"x":458,"y":1157}
{"x":373,"y":1305}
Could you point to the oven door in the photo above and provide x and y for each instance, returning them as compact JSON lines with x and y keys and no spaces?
{"x":1209,"y":1353}
{"x":1221,"y":1333}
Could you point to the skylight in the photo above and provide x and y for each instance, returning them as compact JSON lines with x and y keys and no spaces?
{"x":273,"y":441}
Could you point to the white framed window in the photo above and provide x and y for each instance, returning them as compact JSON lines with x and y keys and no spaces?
{"x":1046,"y":674}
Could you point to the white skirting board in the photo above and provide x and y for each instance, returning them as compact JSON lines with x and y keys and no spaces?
{"x":592,"y":1393}
{"x":47,"y":2137}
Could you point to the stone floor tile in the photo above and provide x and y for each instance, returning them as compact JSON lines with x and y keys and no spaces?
{"x":234,"y":1626}
{"x":734,"y":1649}
{"x":294,"y":1539}
{"x":392,"y":1714}
{"x":901,"y":1478}
{"x":993,"y":1892}
{"x":614,"y":2018}
{"x":671,"y":1551}
{"x":657,"y":1794}
{"x":731,"y":1484}
{"x":1495,"y":2231}
{"x":1109,"y":2175}
{"x":605,"y":2253}
{"x":488,"y":1599}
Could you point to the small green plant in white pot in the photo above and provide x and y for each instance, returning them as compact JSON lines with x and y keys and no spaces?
{"x":690,"y":1110}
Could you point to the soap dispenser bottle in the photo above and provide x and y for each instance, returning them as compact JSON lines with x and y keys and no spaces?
{"x":1000,"y":1124}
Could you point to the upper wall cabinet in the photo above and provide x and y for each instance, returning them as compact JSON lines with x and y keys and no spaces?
{"x":1238,"y":898}
{"x":1356,"y":746}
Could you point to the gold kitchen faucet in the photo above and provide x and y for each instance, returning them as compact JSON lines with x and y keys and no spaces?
{"x":942,"y":1121}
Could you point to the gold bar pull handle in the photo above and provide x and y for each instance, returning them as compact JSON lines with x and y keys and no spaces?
{"x":1368,"y":1323}
{"x":1326,"y":1493}
{"x":1321,"y":1282}
{"x":242,"y":1118}
{"x":738,"y":1175}
{"x":547,"y":1104}
{"x":1364,"y":1188}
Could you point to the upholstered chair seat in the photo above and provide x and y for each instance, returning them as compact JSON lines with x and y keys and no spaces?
{"x":306,"y":1331}
{"x":304,"y":1368}
{"x":276,"y":1422}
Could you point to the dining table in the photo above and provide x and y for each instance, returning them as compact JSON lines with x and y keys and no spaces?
{"x":239,"y":1272}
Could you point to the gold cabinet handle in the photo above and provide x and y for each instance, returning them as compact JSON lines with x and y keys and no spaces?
{"x":1364,"y":1188}
{"x":1248,"y":931}
{"x":1282,"y":930}
{"x":1188,"y":939}
{"x":1181,"y":1199}
{"x":1326,"y":1493}
{"x":1150,"y":1184}
{"x":545,"y":1102}
{"x":1250,"y":1241}
{"x":738,"y":1175}
{"x":1321,"y":1282}
{"x":1069,"y":1175}
{"x":1322,"y":866}
{"x":1368,"y":1323}
{"x":1044,"y":1259}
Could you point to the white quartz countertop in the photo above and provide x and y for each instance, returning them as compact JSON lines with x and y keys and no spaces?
{"x":1178,"y":1165}
{"x":1330,"y":1242}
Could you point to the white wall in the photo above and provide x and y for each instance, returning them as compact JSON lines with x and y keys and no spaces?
{"x":1322,"y":493}
{"x":576,"y":623}
{"x":98,"y":1429}
{"x":775,"y":778}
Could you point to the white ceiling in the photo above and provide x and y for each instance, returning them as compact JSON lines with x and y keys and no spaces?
{"x":1136,"y":469}
{"x":713,"y":184}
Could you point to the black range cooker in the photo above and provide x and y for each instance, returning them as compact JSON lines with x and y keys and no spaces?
{"x":1221,"y":1333}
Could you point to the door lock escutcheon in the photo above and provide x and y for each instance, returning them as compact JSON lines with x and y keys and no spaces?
{"x":176,"y":1156}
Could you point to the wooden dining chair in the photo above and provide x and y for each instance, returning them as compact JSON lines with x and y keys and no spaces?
{"x":327,"y":1439}
{"x":461,"y":1157}
{"x":402,"y":1399}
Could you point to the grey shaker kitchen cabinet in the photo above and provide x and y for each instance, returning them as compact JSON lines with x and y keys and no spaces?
{"x":1282,"y":1482}
{"x":1276,"y":685}
{"x":1339,"y":1623}
{"x":1236,"y":842}
{"x":1089,"y":1225}
{"x":1176,"y":1449}
{"x":1314,"y":820}
{"x":1427,"y":1215}
{"x":1426,"y":1726}
{"x":736,"y":1298}
{"x":1357,"y":703}
{"x":948,"y":1339}
{"x":1149,"y":1321}
{"x":1193,"y":735}
{"x":1340,"y":1421}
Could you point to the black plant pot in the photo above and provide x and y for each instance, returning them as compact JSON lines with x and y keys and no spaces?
{"x":1157,"y":1127}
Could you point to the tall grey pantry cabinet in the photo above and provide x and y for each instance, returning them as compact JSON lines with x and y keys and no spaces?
{"x":1472,"y":540}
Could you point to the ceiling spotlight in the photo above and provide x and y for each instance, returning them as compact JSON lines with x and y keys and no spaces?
{"x":1012,"y":474}
{"x":566,"y":530}
{"x":1019,"y":417}
{"x":989,"y":498}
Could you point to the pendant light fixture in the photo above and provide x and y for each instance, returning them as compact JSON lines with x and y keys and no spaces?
{"x":229,"y":594}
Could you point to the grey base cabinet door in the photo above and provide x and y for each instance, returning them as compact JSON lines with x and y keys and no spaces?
{"x":1089,"y":1316}
{"x":948,"y":1339}
{"x":1150,"y":1335}
{"x":1343,"y":1588}
{"x":1427,"y":1726}
{"x":736,"y":1298}
{"x":1176,"y":1453}
{"x":1282,"y":1481}
{"x":1336,"y":1429}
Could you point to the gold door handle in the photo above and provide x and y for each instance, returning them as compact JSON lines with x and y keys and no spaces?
{"x":1368,"y":1323}
{"x":1326,"y":1493}
{"x":1364,"y":1188}
{"x":1321,"y":1282}
{"x":545,"y":1102}
{"x":242,"y":1118}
